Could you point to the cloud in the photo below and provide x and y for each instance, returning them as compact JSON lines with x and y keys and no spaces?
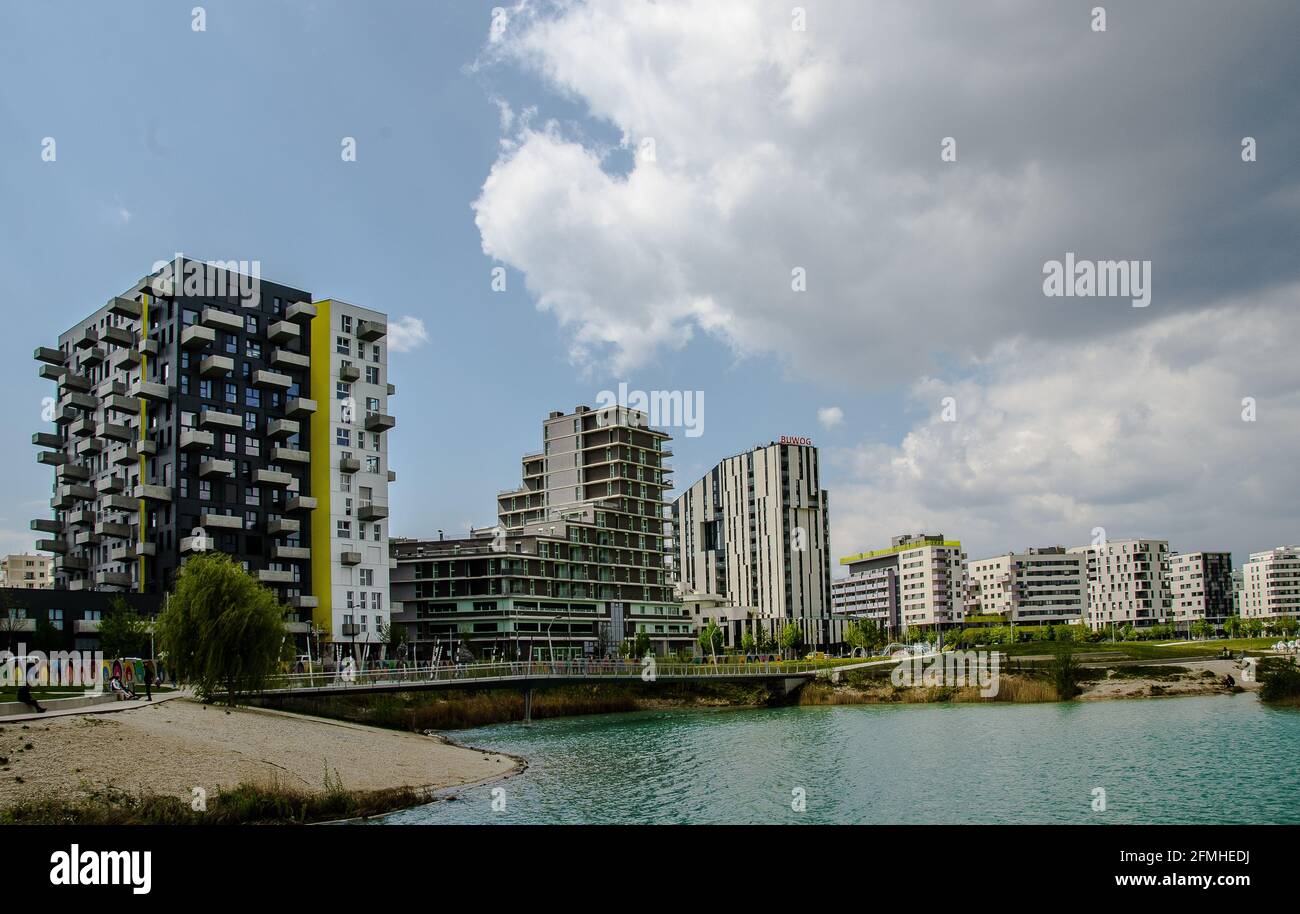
{"x":830,"y":416}
{"x":1142,"y":435}
{"x":406,"y":333}
{"x":820,"y":150}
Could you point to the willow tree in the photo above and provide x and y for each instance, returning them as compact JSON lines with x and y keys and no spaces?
{"x":223,"y":631}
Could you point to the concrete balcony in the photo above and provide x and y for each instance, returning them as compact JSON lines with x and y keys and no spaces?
{"x":92,"y":357}
{"x":112,"y":579}
{"x":66,"y":415}
{"x":211,"y":418}
{"x":123,"y":553}
{"x":349,"y":372}
{"x":289,"y":455}
{"x":153,"y":493}
{"x":283,"y":358}
{"x":51,"y":373}
{"x":51,"y":545}
{"x":80,"y":492}
{"x":84,"y":402}
{"x":47,"y":439}
{"x":72,"y":471}
{"x":49,"y":356}
{"x":119,"y":403}
{"x":193,"y":439}
{"x":108,"y":485}
{"x":276,"y":478}
{"x":84,"y":626}
{"x":276,"y":429}
{"x":372,"y":510}
{"x":123,"y":503}
{"x":70,"y":380}
{"x":350,"y":558}
{"x":47,"y":525}
{"x":283,"y":332}
{"x":146,"y":550}
{"x":273,"y":576}
{"x":128,"y":456}
{"x":197,"y":336}
{"x":82,"y":518}
{"x":300,"y":311}
{"x":147,"y":447}
{"x":212,"y":521}
{"x":283,"y":526}
{"x":349,"y":464}
{"x":290,"y":553}
{"x":369,"y":331}
{"x":304,"y":602}
{"x":149,"y":347}
{"x":88,"y":340}
{"x":271,"y":379}
{"x":197,"y":543}
{"x":221,"y":320}
{"x":124,"y":307}
{"x":216,"y":366}
{"x":109,"y":528}
{"x":119,"y":336}
{"x":216,"y":467}
{"x":89,"y":447}
{"x":52,"y":458}
{"x":297,"y":407}
{"x":114,"y":432}
{"x":392,"y":390}
{"x":300,"y":503}
{"x":151,"y":391}
{"x":379,"y":422}
{"x":125,"y":359}
{"x":85,"y":537}
{"x":392,"y":476}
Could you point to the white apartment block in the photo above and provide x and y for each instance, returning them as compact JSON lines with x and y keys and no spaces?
{"x":919,"y":580}
{"x":1040,"y":585}
{"x":27,"y":572}
{"x":1200,"y":587}
{"x":1127,"y":583}
{"x":1271,"y":583}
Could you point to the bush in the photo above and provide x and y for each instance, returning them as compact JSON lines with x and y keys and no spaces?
{"x":1065,"y":675}
{"x":1279,"y":680}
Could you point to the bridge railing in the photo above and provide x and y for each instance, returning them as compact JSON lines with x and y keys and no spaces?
{"x":537,"y":669}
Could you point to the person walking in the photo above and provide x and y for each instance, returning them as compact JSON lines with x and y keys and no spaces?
{"x":148,"y":680}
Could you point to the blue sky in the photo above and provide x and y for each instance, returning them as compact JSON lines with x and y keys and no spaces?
{"x":775,"y":148}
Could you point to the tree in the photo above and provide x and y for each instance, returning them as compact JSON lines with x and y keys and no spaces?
{"x":1065,"y":675}
{"x":641,"y":645}
{"x":1287,"y":625}
{"x":748,"y":643}
{"x":1232,"y":625}
{"x":711,"y":639}
{"x":10,"y":623}
{"x":856,"y":636}
{"x":1253,"y":628}
{"x":222,"y":630}
{"x":1202,"y":629}
{"x":122,"y":633}
{"x":792,"y":638}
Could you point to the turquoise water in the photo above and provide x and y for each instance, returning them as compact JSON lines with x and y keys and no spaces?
{"x":1216,"y":759}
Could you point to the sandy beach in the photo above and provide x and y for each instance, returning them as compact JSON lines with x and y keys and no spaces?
{"x":1193,"y":682}
{"x":173,"y":747}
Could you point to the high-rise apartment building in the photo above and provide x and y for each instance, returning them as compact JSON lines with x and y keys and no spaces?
{"x":1200,"y":587}
{"x":27,"y":572}
{"x":917,"y":581}
{"x":754,"y":531}
{"x":576,"y":563}
{"x":187,"y":419}
{"x":1038,"y":586}
{"x":1270,"y":584}
{"x":1127,"y":583}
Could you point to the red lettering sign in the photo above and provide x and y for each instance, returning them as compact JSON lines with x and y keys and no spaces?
{"x":794,"y":439}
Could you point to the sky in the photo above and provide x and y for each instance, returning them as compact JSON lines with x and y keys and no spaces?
{"x":828,"y":220}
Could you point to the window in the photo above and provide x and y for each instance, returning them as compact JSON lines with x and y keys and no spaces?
{"x":205,"y":490}
{"x":250,"y":422}
{"x":372,"y":374}
{"x":253,"y":350}
{"x":367,"y":577}
{"x":344,"y":529}
{"x":342,"y":390}
{"x":341,"y":345}
{"x":252,"y":396}
{"x":250,"y":323}
{"x":232,"y":392}
{"x":252,"y":446}
{"x":342,"y":437}
{"x":232,"y":343}
{"x":345,"y":323}
{"x":372,"y":464}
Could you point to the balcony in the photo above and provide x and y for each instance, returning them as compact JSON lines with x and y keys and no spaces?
{"x":119,"y":403}
{"x":221,"y":320}
{"x":214,"y":521}
{"x":283,"y":358}
{"x":199,"y":542}
{"x":349,"y":464}
{"x":349,"y":372}
{"x":211,"y":418}
{"x":379,"y":422}
{"x":65,"y":415}
{"x":72,"y":563}
{"x":350,"y":558}
{"x":193,"y":439}
{"x":46,"y":525}
{"x":278,"y":429}
{"x":153,"y":493}
{"x":125,"y":359}
{"x":300,"y":503}
{"x":47,"y":439}
{"x":49,"y":356}
{"x":149,"y":347}
{"x":275,"y":379}
{"x":289,"y":455}
{"x":113,"y":578}
{"x":283,"y":526}
{"x":274,"y":576}
{"x":72,"y":471}
{"x":297,"y":407}
{"x":51,"y":373}
{"x":392,"y":390}
{"x":93,"y":356}
{"x":275,"y":478}
{"x":300,"y":311}
{"x":114,"y":432}
{"x":392,"y":476}
{"x":123,"y":553}
{"x":51,"y":545}
{"x":84,"y":402}
{"x":119,"y":336}
{"x":109,"y":528}
{"x":291,"y":553}
{"x":151,"y":391}
{"x":127,"y":457}
{"x":147,"y":447}
{"x":107,"y":485}
{"x":216,"y":366}
{"x":80,"y":492}
{"x":88,"y":339}
{"x":145,"y":550}
{"x":70,"y":380}
{"x":123,"y":503}
{"x":196,"y":337}
{"x":216,"y":467}
{"x":82,"y":518}
{"x":84,"y":626}
{"x":124,"y":307}
{"x":369,"y":331}
{"x":52,"y":458}
{"x":372,"y":510}
{"x":304,"y":602}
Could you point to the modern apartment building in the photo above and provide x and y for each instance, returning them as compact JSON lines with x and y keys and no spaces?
{"x":26,"y":571}
{"x":917,"y":581}
{"x":1038,"y":586}
{"x":754,"y":530}
{"x":1127,"y":583}
{"x":1200,"y":587}
{"x":576,"y":563}
{"x":184,"y":420}
{"x":1271,"y":584}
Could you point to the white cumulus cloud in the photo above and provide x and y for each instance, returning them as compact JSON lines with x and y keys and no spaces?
{"x":406,"y":333}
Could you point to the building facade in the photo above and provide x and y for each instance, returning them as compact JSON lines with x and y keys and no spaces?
{"x":1042,"y":585}
{"x":917,"y":581}
{"x":1200,"y":588}
{"x":25,"y":571}
{"x":755,"y":531}
{"x":575,"y":565}
{"x":183,"y":421}
{"x":1128,"y":583}
{"x":1270,"y":585}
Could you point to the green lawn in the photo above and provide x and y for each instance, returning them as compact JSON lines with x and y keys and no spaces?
{"x":1141,"y":650}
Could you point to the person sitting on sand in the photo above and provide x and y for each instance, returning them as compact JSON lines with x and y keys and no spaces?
{"x":120,"y":687}
{"x":25,"y":696}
